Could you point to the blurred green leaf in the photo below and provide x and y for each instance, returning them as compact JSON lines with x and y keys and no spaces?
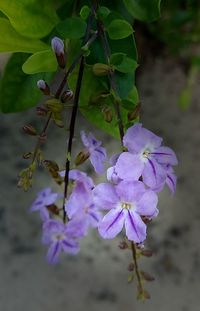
{"x":124,"y":83}
{"x":123,"y":63}
{"x":144,"y":10}
{"x":30,"y":18}
{"x":44,"y":61}
{"x":72,"y":28}
{"x":119,"y":29}
{"x":185,"y":98}
{"x":132,"y":100}
{"x":18,"y":91}
{"x":84,"y":12}
{"x":11,"y":41}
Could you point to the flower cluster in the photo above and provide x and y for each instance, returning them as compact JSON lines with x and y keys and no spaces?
{"x":129,"y":196}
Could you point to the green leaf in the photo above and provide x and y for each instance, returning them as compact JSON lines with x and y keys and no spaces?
{"x":72,"y":28}
{"x":30,"y":18}
{"x":11,"y":41}
{"x":84,"y":12}
{"x":132,"y":100}
{"x":18,"y":91}
{"x":144,"y":10}
{"x":123,"y":63}
{"x":119,"y":29}
{"x":44,"y":61}
{"x":124,"y":83}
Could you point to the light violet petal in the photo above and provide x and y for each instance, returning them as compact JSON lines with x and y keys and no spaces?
{"x":50,"y":199}
{"x":93,"y":142}
{"x":135,"y":227}
{"x":54,"y":252}
{"x":165,"y":155}
{"x":44,"y":214}
{"x":84,"y":139}
{"x":112,"y":223}
{"x":94,"y":217}
{"x":137,"y":137}
{"x":105,"y":196}
{"x":112,"y":175}
{"x":77,"y":175}
{"x":129,"y":166}
{"x":153,"y":174}
{"x":70,"y":246}
{"x":147,"y":204}
{"x":77,"y":227}
{"x":97,"y":160}
{"x":130,"y":191}
{"x":171,"y":181}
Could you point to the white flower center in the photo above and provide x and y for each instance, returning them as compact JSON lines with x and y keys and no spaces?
{"x":126,"y":205}
{"x":58,"y":236}
{"x":146,"y":153}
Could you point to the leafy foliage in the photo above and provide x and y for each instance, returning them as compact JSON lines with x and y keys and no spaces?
{"x":144,"y":10}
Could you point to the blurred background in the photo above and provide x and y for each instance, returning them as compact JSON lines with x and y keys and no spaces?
{"x":168,"y":83}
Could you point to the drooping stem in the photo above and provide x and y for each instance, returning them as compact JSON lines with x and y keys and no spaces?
{"x":73,"y":116}
{"x":134,"y":255}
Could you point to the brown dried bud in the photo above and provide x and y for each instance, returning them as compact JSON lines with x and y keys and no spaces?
{"x":131,"y":266}
{"x":101,"y":69}
{"x":123,"y":245}
{"x":82,"y":157}
{"x":146,"y":220}
{"x":40,"y":111}
{"x":44,"y":87}
{"x":30,"y":130}
{"x":108,"y":114}
{"x":146,"y":276}
{"x":132,"y":115}
{"x":67,"y":96}
{"x":43,"y":138}
{"x":53,"y":209}
{"x":146,"y":252}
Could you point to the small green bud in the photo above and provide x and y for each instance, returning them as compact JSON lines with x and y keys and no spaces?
{"x":108,"y":114}
{"x":100,"y":69}
{"x":30,"y":130}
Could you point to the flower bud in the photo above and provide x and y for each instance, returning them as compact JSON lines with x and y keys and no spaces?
{"x":123,"y":245}
{"x":43,"y":138}
{"x":146,"y":276}
{"x":132,"y":115}
{"x":27,"y":155}
{"x":146,"y":252}
{"x":131,"y":266}
{"x":58,"y":48}
{"x":67,"y":96}
{"x":30,"y":130}
{"x":43,"y":86}
{"x":40,"y":111}
{"x":82,"y":157}
{"x":101,"y":69}
{"x":108,"y":115}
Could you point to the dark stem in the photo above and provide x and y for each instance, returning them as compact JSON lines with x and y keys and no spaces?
{"x":134,"y":254}
{"x":74,"y":114}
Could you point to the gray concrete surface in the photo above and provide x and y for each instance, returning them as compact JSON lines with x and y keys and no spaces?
{"x":97,"y":278}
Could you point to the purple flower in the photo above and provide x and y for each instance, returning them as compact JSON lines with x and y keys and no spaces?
{"x":97,"y":154}
{"x":127,"y":202}
{"x":79,"y":206}
{"x":44,"y":198}
{"x":60,"y":239}
{"x":170,"y":180}
{"x":145,"y":157}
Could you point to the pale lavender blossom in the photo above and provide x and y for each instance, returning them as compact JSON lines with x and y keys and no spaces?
{"x":170,"y":181}
{"x":145,"y":157}
{"x":80,"y":206}
{"x":57,"y":46}
{"x":97,"y":154}
{"x":60,"y":239}
{"x":127,"y":202}
{"x":44,"y":198}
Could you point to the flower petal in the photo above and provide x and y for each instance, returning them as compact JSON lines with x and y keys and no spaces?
{"x":135,"y":227}
{"x":105,"y":196}
{"x":147,"y":204}
{"x":130,"y":191}
{"x":171,"y":181}
{"x":165,"y":155}
{"x":112,"y":223}
{"x":129,"y":166}
{"x":54,"y":252}
{"x":97,"y":159}
{"x":154,"y":174}
{"x":70,"y":246}
{"x":136,"y":138}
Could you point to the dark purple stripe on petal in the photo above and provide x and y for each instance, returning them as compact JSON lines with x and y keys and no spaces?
{"x":94,"y":216}
{"x":132,"y":223}
{"x":161,"y":153}
{"x":115,"y":220}
{"x":174,"y":186}
{"x":101,"y":152}
{"x":153,"y":167}
{"x":67,"y":244}
{"x":55,"y":251}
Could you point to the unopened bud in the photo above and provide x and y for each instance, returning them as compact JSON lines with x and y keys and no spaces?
{"x":30,"y":130}
{"x":123,"y":245}
{"x":53,"y":209}
{"x":58,"y":48}
{"x":132,"y":115}
{"x":108,"y":115}
{"x":146,"y":276}
{"x":82,"y":157}
{"x":101,"y":69}
{"x":146,"y":252}
{"x":42,"y":138}
{"x":67,"y":96}
{"x":40,"y":111}
{"x":131,"y":266}
{"x":43,"y":86}
{"x":146,"y":220}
